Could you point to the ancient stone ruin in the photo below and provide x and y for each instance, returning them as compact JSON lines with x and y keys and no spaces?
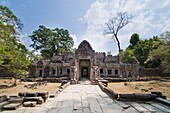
{"x":84,"y":63}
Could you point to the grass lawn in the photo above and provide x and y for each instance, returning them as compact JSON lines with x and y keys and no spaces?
{"x":11,"y":91}
{"x":141,"y":87}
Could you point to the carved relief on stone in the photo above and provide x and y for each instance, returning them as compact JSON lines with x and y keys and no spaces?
{"x":84,"y":50}
{"x":73,"y":72}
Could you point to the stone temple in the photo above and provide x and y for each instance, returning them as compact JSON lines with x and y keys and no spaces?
{"x":84,"y":63}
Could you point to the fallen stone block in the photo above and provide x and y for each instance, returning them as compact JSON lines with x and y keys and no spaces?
{"x":22,"y":94}
{"x":29,"y":104}
{"x":44,"y":95}
{"x":3,"y":104}
{"x":29,"y":94}
{"x":16,"y":100}
{"x":11,"y":106}
{"x":3,"y":98}
{"x":52,"y":95}
{"x":39,"y":100}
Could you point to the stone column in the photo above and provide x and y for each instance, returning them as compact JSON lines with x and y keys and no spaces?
{"x":77,"y":70}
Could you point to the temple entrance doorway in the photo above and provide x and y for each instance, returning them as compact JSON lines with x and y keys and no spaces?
{"x":84,"y":70}
{"x":40,"y":73}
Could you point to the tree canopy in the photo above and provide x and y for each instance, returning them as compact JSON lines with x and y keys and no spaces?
{"x":50,"y":41}
{"x":13,"y":54}
{"x":160,"y":56}
{"x":151,"y":53}
{"x":134,"y":39}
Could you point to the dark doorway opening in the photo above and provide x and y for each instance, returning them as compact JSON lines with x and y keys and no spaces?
{"x":40,"y":74}
{"x":84,"y":72}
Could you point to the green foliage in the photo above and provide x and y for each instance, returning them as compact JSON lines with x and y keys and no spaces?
{"x":13,"y":54}
{"x":151,"y":53}
{"x":50,"y":41}
{"x":140,"y":49}
{"x":161,"y":54}
{"x":134,"y":39}
{"x":143,"y":48}
{"x":127,"y":56}
{"x":9,"y":18}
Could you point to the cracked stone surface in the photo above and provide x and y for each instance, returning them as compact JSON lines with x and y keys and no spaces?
{"x":85,"y":98}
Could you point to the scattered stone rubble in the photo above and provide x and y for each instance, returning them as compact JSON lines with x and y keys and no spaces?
{"x":29,"y":99}
{"x":26,"y":99}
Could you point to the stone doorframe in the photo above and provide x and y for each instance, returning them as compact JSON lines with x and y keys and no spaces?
{"x":84,"y":63}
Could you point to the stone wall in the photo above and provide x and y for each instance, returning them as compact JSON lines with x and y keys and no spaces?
{"x":111,"y":59}
{"x":143,"y":72}
{"x":100,"y":56}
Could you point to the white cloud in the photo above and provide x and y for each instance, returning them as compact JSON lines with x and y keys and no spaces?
{"x":96,"y":16}
{"x":75,"y":40}
{"x":150,"y":18}
{"x":26,"y":41}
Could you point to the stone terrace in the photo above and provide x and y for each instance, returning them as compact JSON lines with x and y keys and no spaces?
{"x":85,"y":98}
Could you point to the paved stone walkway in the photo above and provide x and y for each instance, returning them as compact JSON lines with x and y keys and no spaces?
{"x":84,"y":98}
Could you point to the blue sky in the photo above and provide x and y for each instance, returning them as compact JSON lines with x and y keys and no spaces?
{"x":85,"y":19}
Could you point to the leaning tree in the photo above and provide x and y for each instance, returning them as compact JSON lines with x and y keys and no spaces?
{"x":115,"y":24}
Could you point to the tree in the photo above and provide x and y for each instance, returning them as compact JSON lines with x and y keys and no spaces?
{"x":50,"y":41}
{"x":143,"y":49}
{"x":134,"y":40}
{"x":19,"y":62}
{"x":127,"y":56}
{"x":13,"y":54}
{"x":114,"y":25}
{"x":160,"y":56}
{"x":8,"y":17}
{"x":165,"y":36}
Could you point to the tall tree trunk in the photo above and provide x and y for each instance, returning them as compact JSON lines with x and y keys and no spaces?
{"x":118,"y":44}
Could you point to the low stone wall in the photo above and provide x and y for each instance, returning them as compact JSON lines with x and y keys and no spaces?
{"x":143,"y":72}
{"x":108,"y":91}
{"x":52,"y":80}
{"x":131,"y":97}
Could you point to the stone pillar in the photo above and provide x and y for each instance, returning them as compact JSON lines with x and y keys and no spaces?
{"x":77,"y":70}
{"x":91,"y":74}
